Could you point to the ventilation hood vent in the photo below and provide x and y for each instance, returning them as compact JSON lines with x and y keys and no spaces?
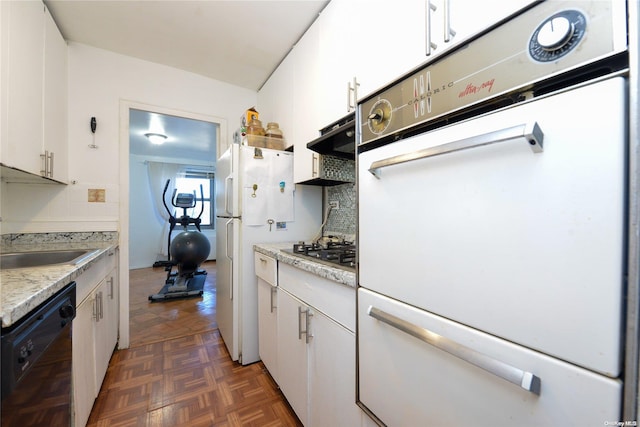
{"x":338,"y":139}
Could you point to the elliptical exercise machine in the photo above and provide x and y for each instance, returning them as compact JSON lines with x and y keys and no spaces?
{"x":187,"y":251}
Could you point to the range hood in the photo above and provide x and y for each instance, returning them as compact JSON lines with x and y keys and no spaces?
{"x":338,"y":139}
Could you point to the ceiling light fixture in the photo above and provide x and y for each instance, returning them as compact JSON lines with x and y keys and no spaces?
{"x":156,"y":138}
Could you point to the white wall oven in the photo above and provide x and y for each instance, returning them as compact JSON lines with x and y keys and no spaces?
{"x":492,"y":229}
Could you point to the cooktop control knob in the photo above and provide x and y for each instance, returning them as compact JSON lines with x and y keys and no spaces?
{"x":379,"y":117}
{"x":557,"y":36}
{"x":554,"y":33}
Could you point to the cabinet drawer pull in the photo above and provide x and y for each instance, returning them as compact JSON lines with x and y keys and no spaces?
{"x":523,"y":379}
{"x":531,"y":132}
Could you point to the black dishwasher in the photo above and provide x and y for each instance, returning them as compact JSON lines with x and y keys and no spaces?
{"x":36,"y":364}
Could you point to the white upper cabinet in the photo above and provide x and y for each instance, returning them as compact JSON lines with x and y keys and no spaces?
{"x":34,"y":90}
{"x":307,"y":104}
{"x":338,"y":35}
{"x":23,"y":54}
{"x":276,"y":100}
{"x":447,"y":23}
{"x":54,"y":140}
{"x":376,"y":41}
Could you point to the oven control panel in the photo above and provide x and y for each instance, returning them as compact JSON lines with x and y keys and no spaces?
{"x":544,"y":41}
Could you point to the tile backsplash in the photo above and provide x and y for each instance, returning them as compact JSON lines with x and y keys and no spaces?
{"x":342,"y":221}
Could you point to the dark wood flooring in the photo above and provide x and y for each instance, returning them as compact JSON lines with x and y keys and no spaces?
{"x":177,"y":371}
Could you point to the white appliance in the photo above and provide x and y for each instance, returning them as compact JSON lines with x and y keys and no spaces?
{"x":256,"y":202}
{"x":491,"y":246}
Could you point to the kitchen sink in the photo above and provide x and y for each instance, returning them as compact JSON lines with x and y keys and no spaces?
{"x":42,"y":258}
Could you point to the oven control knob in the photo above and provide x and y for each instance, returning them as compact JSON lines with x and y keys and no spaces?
{"x":555,"y":33}
{"x":557,"y":36}
{"x":379,"y":116}
{"x":22,"y":357}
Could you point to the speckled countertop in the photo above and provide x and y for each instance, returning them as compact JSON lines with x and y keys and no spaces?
{"x":274,"y":250}
{"x":23,"y":289}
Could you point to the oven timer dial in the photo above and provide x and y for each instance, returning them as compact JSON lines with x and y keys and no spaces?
{"x":379,"y":116}
{"x":557,"y":36}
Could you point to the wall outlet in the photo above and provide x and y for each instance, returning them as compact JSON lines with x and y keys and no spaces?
{"x":96,"y":195}
{"x":334,"y":204}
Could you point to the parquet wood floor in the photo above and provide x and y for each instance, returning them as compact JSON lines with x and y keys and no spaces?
{"x":178,"y":372}
{"x":158,"y":321}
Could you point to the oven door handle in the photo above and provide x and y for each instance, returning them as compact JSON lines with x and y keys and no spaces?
{"x":523,"y":379}
{"x":530,"y":132}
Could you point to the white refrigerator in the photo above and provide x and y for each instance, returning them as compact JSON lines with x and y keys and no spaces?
{"x":256,"y":202}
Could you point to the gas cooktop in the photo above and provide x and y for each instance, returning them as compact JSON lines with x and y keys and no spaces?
{"x":339,"y":254}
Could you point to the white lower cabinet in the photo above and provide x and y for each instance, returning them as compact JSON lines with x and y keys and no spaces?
{"x":84,"y":380}
{"x":293,"y":354}
{"x":95,"y":333}
{"x":332,"y":381}
{"x":267,"y":271}
{"x":316,"y":348}
{"x":268,"y":327}
{"x":105,"y":325}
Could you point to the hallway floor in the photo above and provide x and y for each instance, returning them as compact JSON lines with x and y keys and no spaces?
{"x":178,"y":372}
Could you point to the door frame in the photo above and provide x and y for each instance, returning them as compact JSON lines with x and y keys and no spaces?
{"x":123,"y":273}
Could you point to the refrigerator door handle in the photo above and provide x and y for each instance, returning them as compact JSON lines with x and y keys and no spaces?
{"x":230,"y":258}
{"x":523,"y":379}
{"x":227,"y":188}
{"x":530,"y":132}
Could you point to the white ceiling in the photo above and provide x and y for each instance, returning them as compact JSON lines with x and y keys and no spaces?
{"x":240,"y":42}
{"x":236,"y":41}
{"x":187,"y":139}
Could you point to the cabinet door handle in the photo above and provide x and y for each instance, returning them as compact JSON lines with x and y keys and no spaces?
{"x":352,"y":94}
{"x":448,"y":31}
{"x":101,"y":305}
{"x":95,"y":308}
{"x":530,"y":132}
{"x":110,"y":287}
{"x":427,"y":27}
{"x":315,"y":159}
{"x":50,"y":172}
{"x":45,"y":163}
{"x":274,"y":290}
{"x":307,"y":322}
{"x":523,"y":379}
